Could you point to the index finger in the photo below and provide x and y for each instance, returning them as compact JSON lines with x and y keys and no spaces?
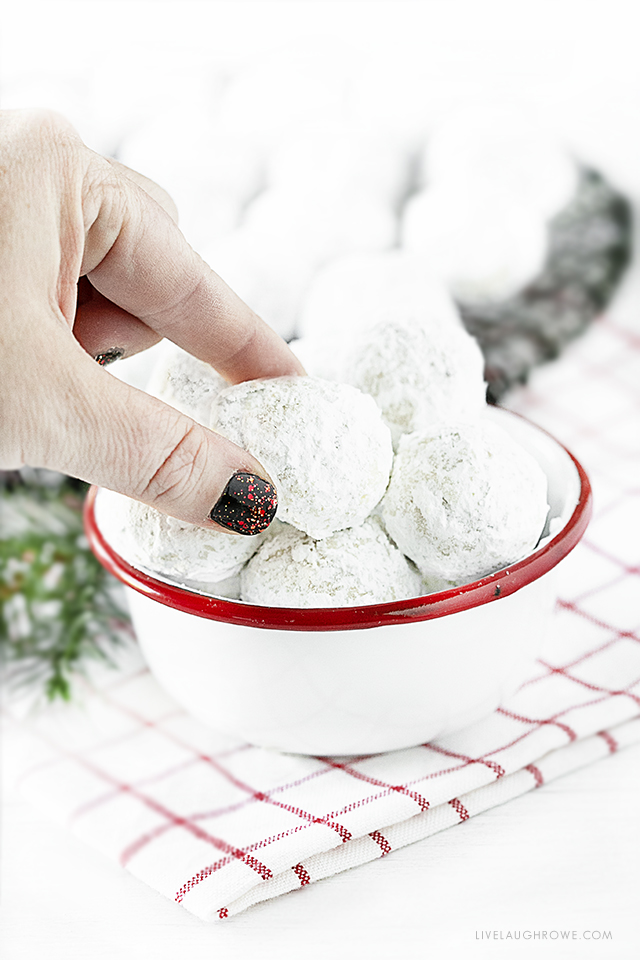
{"x":136,"y":257}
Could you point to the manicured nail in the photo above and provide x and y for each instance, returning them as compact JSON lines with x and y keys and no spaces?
{"x":104,"y":359}
{"x":247,"y":505}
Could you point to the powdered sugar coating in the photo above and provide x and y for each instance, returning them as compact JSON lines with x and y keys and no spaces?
{"x":419,"y":376}
{"x":146,"y":538}
{"x":356,"y":566}
{"x":323,"y":444}
{"x":186,"y":383}
{"x":464,"y":500}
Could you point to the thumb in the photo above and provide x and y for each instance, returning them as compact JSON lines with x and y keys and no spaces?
{"x":123,"y":439}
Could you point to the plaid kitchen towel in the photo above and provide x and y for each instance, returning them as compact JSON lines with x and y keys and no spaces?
{"x":219,"y":825}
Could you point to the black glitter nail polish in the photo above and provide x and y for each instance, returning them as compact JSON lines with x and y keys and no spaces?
{"x":104,"y":359}
{"x":247,"y":505}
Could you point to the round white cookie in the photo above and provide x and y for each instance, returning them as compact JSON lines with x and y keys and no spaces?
{"x":356,"y":566}
{"x":186,"y":383}
{"x":464,"y":500}
{"x":323,"y":444}
{"x":419,"y":376}
{"x":146,"y":538}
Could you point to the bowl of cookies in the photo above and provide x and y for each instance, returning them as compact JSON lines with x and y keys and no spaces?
{"x":407,"y":581}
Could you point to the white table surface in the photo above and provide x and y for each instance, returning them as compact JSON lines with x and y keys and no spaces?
{"x":564,"y":857}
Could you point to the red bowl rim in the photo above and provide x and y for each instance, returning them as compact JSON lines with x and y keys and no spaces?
{"x":486,"y":590}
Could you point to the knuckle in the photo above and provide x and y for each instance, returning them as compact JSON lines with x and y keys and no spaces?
{"x":244,"y":345}
{"x":180,"y":470}
{"x":150,"y":187}
{"x":103,"y":190}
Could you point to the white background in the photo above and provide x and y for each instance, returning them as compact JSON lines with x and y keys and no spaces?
{"x":110,"y":63}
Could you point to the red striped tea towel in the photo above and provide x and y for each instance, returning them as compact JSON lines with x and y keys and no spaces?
{"x":218,"y":825}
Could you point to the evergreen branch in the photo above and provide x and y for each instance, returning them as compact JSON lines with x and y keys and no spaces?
{"x":59,"y":608}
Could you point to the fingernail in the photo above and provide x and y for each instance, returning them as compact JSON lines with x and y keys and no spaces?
{"x":247,"y":505}
{"x":104,"y":359}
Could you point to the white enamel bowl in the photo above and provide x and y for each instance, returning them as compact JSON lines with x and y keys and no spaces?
{"x":357,"y":680}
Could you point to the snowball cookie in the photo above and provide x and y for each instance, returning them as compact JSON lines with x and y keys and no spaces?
{"x":486,"y":244}
{"x":185,"y":382}
{"x":464,"y":500}
{"x":419,"y":377}
{"x":182,"y":550}
{"x":499,"y":146}
{"x":230,"y":587}
{"x":356,"y":566}
{"x":354,"y":293}
{"x":324,"y":445}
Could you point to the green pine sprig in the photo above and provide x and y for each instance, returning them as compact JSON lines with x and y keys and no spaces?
{"x":59,"y":607}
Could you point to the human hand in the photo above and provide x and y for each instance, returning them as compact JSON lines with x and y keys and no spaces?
{"x":92,"y":265}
